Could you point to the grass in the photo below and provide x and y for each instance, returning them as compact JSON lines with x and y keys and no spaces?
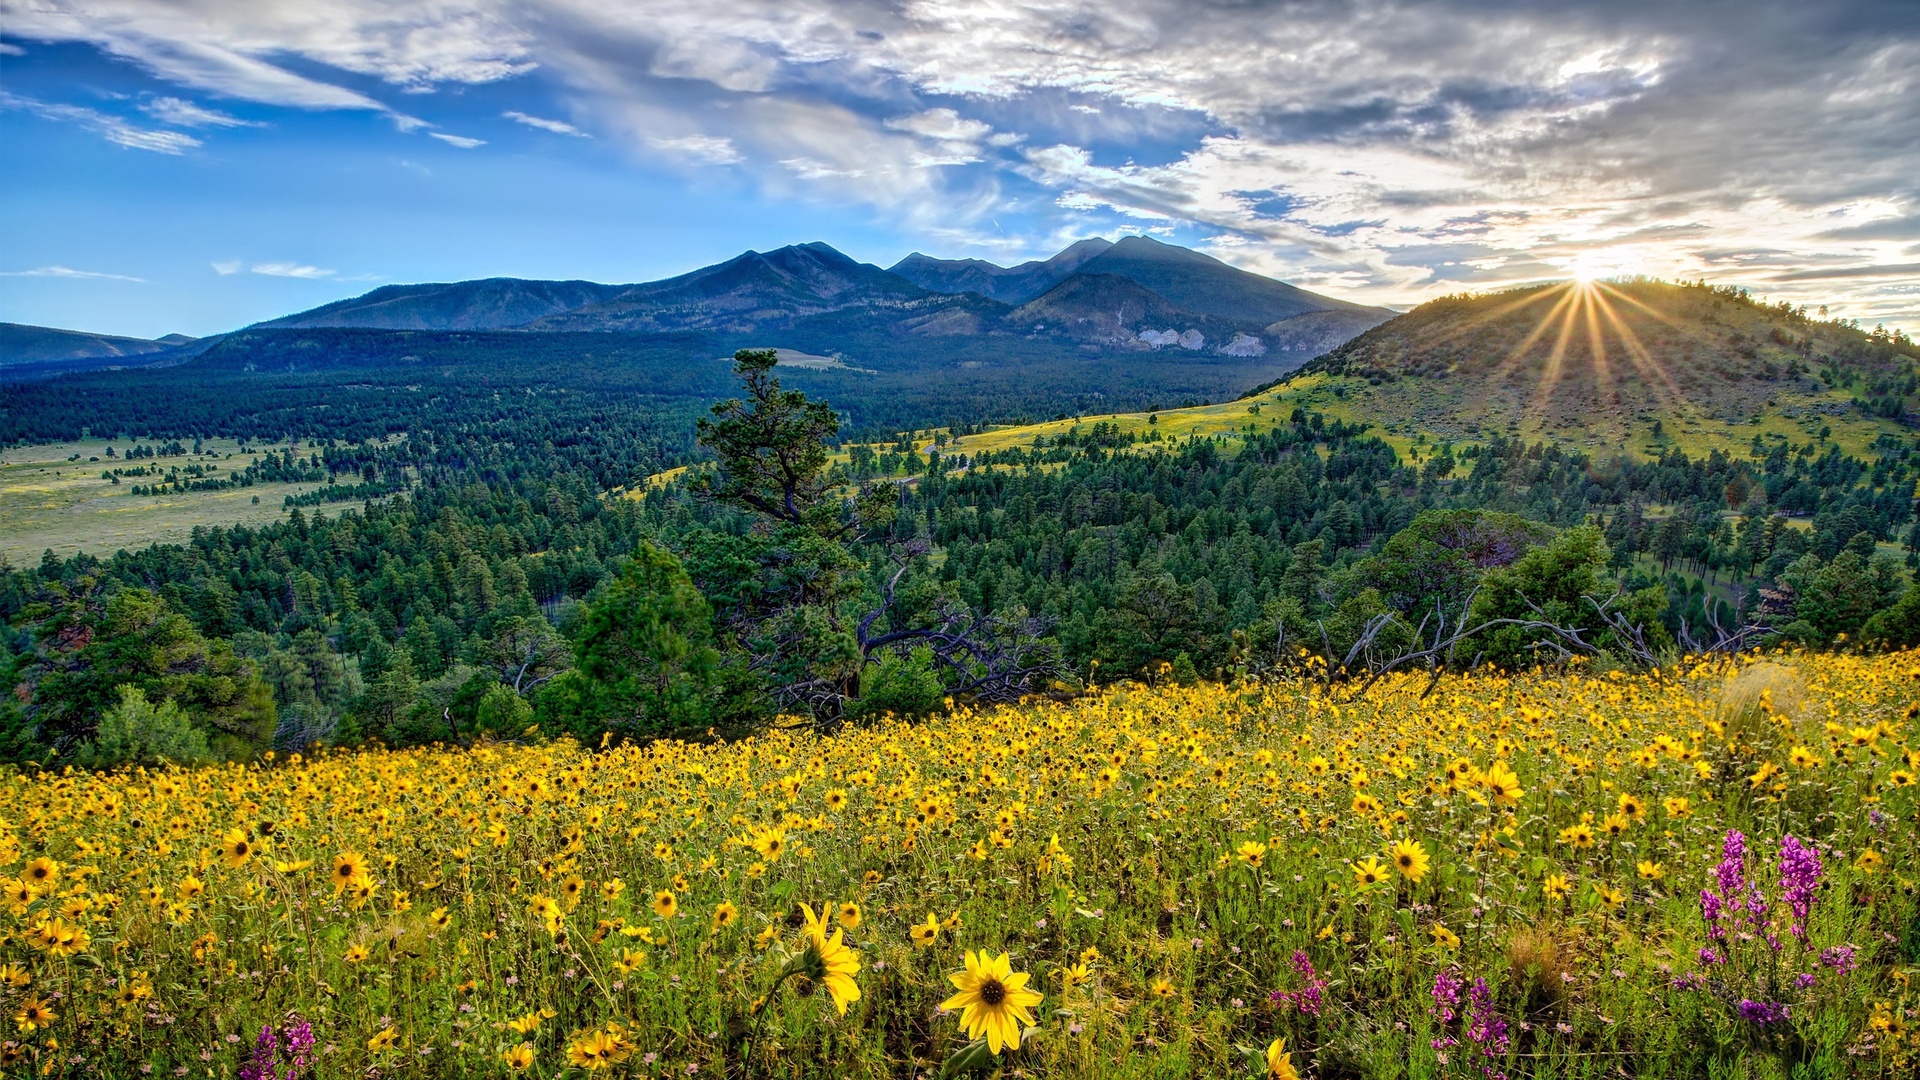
{"x":1394,"y":419}
{"x":1186,"y":874}
{"x":49,"y":502}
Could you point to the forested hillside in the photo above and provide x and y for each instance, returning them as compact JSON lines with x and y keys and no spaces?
{"x":504,"y":590}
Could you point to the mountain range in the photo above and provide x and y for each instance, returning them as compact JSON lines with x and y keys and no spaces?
{"x":1125,"y":295}
{"x":1136,"y":295}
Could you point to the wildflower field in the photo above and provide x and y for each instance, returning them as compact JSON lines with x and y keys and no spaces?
{"x":1698,"y":872}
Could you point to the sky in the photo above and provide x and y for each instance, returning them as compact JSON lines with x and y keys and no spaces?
{"x":196,"y":165}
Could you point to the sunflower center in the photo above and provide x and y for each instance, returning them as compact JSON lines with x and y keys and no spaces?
{"x":992,"y":992}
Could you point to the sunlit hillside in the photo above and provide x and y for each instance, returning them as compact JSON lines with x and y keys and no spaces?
{"x":1637,"y":365}
{"x":1636,"y":368}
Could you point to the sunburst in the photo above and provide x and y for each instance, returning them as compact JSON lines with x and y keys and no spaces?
{"x":1580,"y":315}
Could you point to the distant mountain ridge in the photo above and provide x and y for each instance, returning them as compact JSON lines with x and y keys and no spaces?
{"x":743,"y":293}
{"x":1095,"y":297}
{"x":1007,"y":284}
{"x":22,"y":344}
{"x":487,"y":304}
{"x":40,"y":351}
{"x":1172,"y":296}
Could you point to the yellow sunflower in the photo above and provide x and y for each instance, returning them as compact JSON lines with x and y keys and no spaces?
{"x":1369,"y":872}
{"x":1411,"y":859}
{"x":1280,"y":1061}
{"x":33,"y":1014}
{"x":836,"y":962}
{"x":926,"y":933}
{"x":236,"y":848}
{"x":993,"y":1000}
{"x":349,"y":868}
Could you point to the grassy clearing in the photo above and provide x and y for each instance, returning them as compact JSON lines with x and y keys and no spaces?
{"x":1502,"y":879}
{"x":48,"y":501}
{"x":1396,"y":417}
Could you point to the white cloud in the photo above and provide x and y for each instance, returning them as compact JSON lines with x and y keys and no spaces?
{"x":292,"y":270}
{"x":1415,"y":147}
{"x":9,"y":49}
{"x":224,"y":267}
{"x":182,"y":113}
{"x":558,"y":127}
{"x":111,"y":128}
{"x":460,"y":141}
{"x":235,"y":49}
{"x":699,"y":149}
{"x":67,"y":272}
{"x":942,"y":124}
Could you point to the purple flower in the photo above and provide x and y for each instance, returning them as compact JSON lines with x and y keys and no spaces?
{"x":1446,"y":1002}
{"x":1486,"y":1027}
{"x":299,"y":1045}
{"x":1446,"y":994}
{"x":1800,"y":872}
{"x":1737,"y":894}
{"x":1732,"y":871}
{"x":1711,"y":910}
{"x":265,"y":1062}
{"x":1763,"y":1012}
{"x":1839,"y":958}
{"x":1308,"y":998}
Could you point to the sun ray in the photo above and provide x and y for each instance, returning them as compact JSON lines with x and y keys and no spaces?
{"x":1597,"y":342}
{"x":1540,"y":328}
{"x":1550,"y":376}
{"x":1636,"y":302}
{"x":1642,"y":358}
{"x":1468,"y":326}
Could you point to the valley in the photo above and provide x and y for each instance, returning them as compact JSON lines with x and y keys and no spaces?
{"x":53,"y":498}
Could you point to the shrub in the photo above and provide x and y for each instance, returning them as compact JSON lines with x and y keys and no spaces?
{"x":139,"y":732}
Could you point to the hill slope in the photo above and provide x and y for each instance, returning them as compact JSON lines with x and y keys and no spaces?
{"x":488,"y":304}
{"x":38,"y":352}
{"x":747,"y":292}
{"x":1602,"y":364}
{"x":1713,"y":369}
{"x":1206,"y":286}
{"x":1113,"y":310}
{"x":1143,"y":293}
{"x":22,"y":344}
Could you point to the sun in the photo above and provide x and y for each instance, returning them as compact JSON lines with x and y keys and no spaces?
{"x":1599,"y":264}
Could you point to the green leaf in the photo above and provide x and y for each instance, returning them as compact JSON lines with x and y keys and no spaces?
{"x":973,"y":1057}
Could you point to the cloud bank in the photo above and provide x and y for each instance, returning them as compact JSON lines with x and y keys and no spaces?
{"x":1389,"y":149}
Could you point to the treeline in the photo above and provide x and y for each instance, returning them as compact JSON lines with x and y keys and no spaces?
{"x":1140,"y":558}
{"x":507,"y":590}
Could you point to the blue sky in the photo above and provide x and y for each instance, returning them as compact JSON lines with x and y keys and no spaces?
{"x":196,"y":165}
